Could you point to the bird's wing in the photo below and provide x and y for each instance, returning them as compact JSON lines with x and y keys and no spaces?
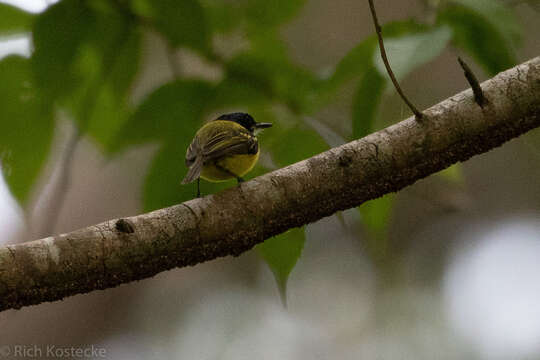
{"x":194,"y":162}
{"x":229,"y":142}
{"x":192,"y":152}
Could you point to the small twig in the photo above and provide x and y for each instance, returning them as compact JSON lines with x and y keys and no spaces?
{"x":378,"y":30}
{"x":473,"y":81}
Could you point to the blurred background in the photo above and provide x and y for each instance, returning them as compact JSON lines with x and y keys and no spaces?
{"x":99,"y":99}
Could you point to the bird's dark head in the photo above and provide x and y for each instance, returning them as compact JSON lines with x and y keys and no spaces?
{"x":245,"y":120}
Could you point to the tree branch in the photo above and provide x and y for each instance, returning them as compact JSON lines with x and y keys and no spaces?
{"x":233,"y":221}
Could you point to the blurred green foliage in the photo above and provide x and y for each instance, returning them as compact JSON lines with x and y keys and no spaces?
{"x":281,"y":253}
{"x":486,"y":29}
{"x":26,"y":126}
{"x":14,"y":20}
{"x":86,"y":57}
{"x":376,"y":216}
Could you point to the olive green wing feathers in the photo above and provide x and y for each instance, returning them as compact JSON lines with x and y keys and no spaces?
{"x":229,"y":142}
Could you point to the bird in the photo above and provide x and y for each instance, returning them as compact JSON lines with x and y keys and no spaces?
{"x":223,"y":149}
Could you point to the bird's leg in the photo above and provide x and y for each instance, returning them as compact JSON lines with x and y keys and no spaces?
{"x":198,"y":187}
{"x":238,"y":178}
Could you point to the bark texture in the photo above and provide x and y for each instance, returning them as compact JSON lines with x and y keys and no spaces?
{"x":233,"y":221}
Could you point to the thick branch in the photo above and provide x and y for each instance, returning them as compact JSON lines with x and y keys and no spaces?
{"x":233,"y":221}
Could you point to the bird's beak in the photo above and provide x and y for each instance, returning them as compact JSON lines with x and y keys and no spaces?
{"x":262,"y":125}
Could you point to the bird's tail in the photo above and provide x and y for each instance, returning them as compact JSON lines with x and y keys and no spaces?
{"x":194,"y":171}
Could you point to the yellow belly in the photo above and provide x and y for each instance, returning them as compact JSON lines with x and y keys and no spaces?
{"x":237,"y":164}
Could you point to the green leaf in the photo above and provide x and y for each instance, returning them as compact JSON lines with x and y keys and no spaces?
{"x":500,"y":16}
{"x":182,"y":22}
{"x":26,"y":126}
{"x":14,"y":20}
{"x":107,"y":115}
{"x":91,"y":69}
{"x":366,"y":101}
{"x":409,"y":51}
{"x":169,"y":114}
{"x":281,"y":254}
{"x":376,"y":216}
{"x":57,"y":35}
{"x":453,"y":174}
{"x":116,"y":39}
{"x":354,"y":63}
{"x":491,"y":43}
{"x":106,"y":73}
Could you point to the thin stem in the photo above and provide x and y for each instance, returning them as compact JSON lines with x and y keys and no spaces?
{"x":378,"y":30}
